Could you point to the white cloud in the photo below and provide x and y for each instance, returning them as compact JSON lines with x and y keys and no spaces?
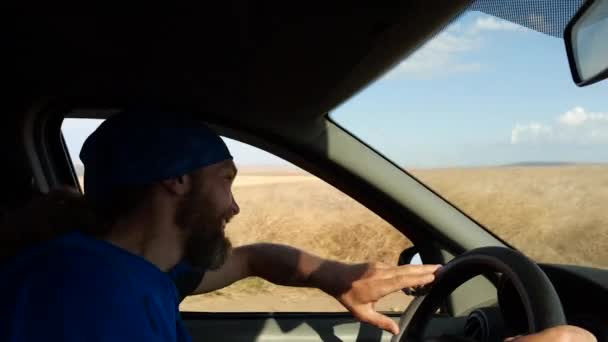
{"x":578,"y":116}
{"x":532,"y":132}
{"x":439,"y":56}
{"x":495,"y":24}
{"x":573,"y":117}
{"x":446,"y":53}
{"x":576,"y":126}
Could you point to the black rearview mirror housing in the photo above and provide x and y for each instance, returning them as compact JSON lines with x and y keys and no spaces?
{"x":586,"y":38}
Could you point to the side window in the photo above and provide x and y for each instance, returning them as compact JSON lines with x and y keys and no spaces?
{"x":281,"y":203}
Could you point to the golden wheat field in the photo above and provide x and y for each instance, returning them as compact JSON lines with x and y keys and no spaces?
{"x":553,"y":214}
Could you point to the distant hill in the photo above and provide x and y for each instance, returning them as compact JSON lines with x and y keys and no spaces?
{"x":539,"y":164}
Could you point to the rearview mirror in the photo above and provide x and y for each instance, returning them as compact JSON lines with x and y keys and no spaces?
{"x":586,"y":38}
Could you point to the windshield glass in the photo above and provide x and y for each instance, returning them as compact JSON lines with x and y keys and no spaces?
{"x":487,"y":115}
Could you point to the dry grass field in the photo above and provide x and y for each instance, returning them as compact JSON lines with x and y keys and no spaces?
{"x":554,"y":214}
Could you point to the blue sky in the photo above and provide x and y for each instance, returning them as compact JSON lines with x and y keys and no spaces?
{"x":483,"y":92}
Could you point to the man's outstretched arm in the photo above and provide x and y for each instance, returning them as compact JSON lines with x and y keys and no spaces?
{"x":356,"y":286}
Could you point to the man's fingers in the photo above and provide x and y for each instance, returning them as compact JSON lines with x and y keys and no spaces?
{"x":404,"y":281}
{"x":416,"y":269}
{"x":380,"y":265}
{"x":381,"y":321}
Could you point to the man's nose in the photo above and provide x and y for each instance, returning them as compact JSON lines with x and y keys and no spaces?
{"x":235,"y":207}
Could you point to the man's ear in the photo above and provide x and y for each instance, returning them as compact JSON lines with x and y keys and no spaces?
{"x":178,"y":186}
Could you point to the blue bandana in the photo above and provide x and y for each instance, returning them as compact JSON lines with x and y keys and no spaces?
{"x":137,"y":148}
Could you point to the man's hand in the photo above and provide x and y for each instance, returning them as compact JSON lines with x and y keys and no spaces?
{"x":359,"y":287}
{"x":564,"y":333}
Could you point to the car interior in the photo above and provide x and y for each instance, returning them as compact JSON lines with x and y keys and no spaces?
{"x":267,"y":73}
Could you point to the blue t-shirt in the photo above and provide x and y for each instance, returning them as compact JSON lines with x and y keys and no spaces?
{"x":78,"y":288}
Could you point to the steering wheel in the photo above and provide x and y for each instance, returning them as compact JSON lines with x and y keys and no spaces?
{"x":542,"y":306}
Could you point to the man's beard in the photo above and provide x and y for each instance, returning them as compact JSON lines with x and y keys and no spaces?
{"x":206,"y":247}
{"x":207,"y":253}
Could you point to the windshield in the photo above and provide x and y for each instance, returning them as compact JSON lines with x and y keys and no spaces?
{"x":487,"y":115}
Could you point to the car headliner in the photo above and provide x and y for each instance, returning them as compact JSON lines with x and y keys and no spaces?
{"x":265,"y":58}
